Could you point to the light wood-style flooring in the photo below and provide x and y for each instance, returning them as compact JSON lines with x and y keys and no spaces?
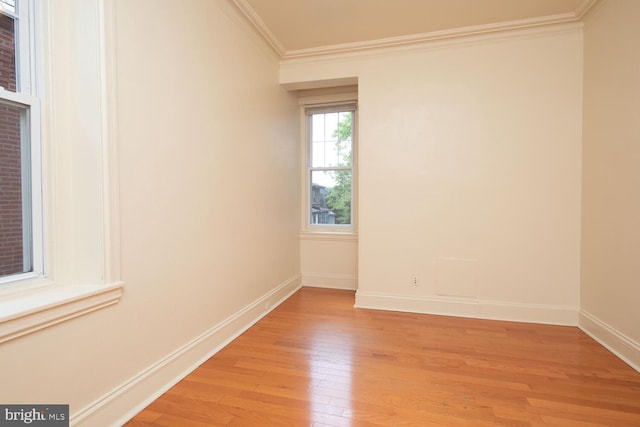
{"x":317,"y":361}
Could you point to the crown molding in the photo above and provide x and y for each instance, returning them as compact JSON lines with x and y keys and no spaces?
{"x":584,"y":8}
{"x":259,"y":25}
{"x":413,"y":39}
{"x":528,"y":32}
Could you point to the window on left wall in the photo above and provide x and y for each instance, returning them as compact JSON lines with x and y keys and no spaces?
{"x":21,"y":245}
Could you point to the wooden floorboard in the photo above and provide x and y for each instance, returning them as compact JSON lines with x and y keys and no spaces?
{"x":317,"y":361}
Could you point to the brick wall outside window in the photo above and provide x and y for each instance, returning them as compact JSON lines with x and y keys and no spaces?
{"x":11,"y":257}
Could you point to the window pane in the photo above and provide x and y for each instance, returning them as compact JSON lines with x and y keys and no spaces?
{"x":7,"y":51}
{"x":317,"y":126}
{"x":330,"y":197}
{"x":15,"y":230}
{"x":331,"y":136}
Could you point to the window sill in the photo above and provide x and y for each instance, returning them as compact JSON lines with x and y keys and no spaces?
{"x":31,"y":311}
{"x":343,"y":236}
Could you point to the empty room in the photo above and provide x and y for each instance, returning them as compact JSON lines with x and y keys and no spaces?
{"x":319,"y":213}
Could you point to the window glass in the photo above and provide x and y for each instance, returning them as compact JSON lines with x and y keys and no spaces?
{"x":330,"y":172}
{"x":19,"y":143}
{"x":8,"y":74}
{"x":15,"y":209}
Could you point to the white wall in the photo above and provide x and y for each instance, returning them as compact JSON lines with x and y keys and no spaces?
{"x":469,"y":173}
{"x":209,"y":212}
{"x":611,"y":178}
{"x":329,"y":260}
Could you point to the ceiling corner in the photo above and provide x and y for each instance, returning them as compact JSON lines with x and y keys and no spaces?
{"x":585,"y":7}
{"x":260,"y":26}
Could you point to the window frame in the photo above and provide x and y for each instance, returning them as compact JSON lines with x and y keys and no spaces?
{"x":27,"y":96}
{"x":78,"y":104}
{"x":33,"y":238}
{"x":308,"y":108}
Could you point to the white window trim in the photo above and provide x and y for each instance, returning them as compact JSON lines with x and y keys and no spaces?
{"x":343,"y":101}
{"x":81,"y":273}
{"x":47,"y":306}
{"x":5,"y":10}
{"x":319,"y":236}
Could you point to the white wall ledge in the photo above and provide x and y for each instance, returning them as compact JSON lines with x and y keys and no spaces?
{"x":32,"y":311}
{"x":329,"y":235}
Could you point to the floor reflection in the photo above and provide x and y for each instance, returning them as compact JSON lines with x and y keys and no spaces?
{"x":331,"y":365}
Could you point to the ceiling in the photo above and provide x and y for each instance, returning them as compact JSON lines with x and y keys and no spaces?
{"x":308,"y":27}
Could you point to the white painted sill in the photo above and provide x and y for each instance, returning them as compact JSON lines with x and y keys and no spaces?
{"x":36,"y":309}
{"x":344,"y":236}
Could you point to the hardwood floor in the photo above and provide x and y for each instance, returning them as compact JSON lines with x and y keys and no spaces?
{"x":317,"y":361}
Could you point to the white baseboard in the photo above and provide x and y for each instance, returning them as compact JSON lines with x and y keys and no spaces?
{"x":494,"y":310}
{"x":124,"y":402}
{"x":334,"y":281}
{"x":615,"y":341}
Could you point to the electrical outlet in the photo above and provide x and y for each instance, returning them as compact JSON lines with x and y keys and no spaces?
{"x":414,"y":281}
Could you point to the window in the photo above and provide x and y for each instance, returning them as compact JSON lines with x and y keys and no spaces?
{"x":80,"y":270}
{"x":20,"y":170}
{"x":330,"y":165}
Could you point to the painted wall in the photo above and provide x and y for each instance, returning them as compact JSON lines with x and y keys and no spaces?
{"x":209,"y":211}
{"x":329,"y":261}
{"x":611,"y":176}
{"x":469,"y":174}
{"x":208,"y":164}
